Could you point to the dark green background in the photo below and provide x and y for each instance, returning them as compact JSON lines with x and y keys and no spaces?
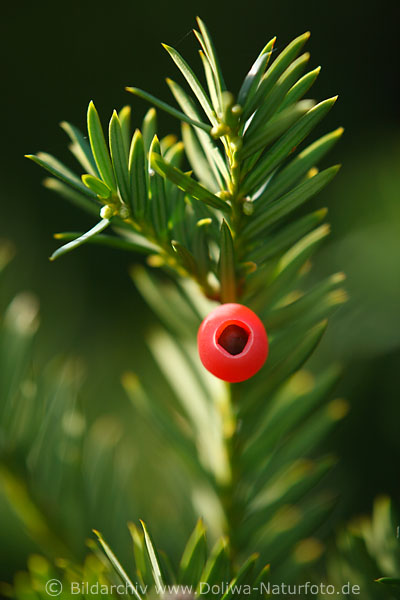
{"x":58,"y":56}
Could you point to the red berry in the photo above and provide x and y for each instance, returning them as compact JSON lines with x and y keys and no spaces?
{"x":232,"y":342}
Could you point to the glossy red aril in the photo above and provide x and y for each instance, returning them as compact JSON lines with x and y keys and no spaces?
{"x":232,"y":342}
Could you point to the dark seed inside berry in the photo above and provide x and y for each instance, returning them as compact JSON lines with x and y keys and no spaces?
{"x":233,"y":339}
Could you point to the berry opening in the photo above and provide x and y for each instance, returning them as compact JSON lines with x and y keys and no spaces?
{"x":233,"y":339}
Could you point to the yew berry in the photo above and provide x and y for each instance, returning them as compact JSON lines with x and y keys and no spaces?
{"x":232,"y":342}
